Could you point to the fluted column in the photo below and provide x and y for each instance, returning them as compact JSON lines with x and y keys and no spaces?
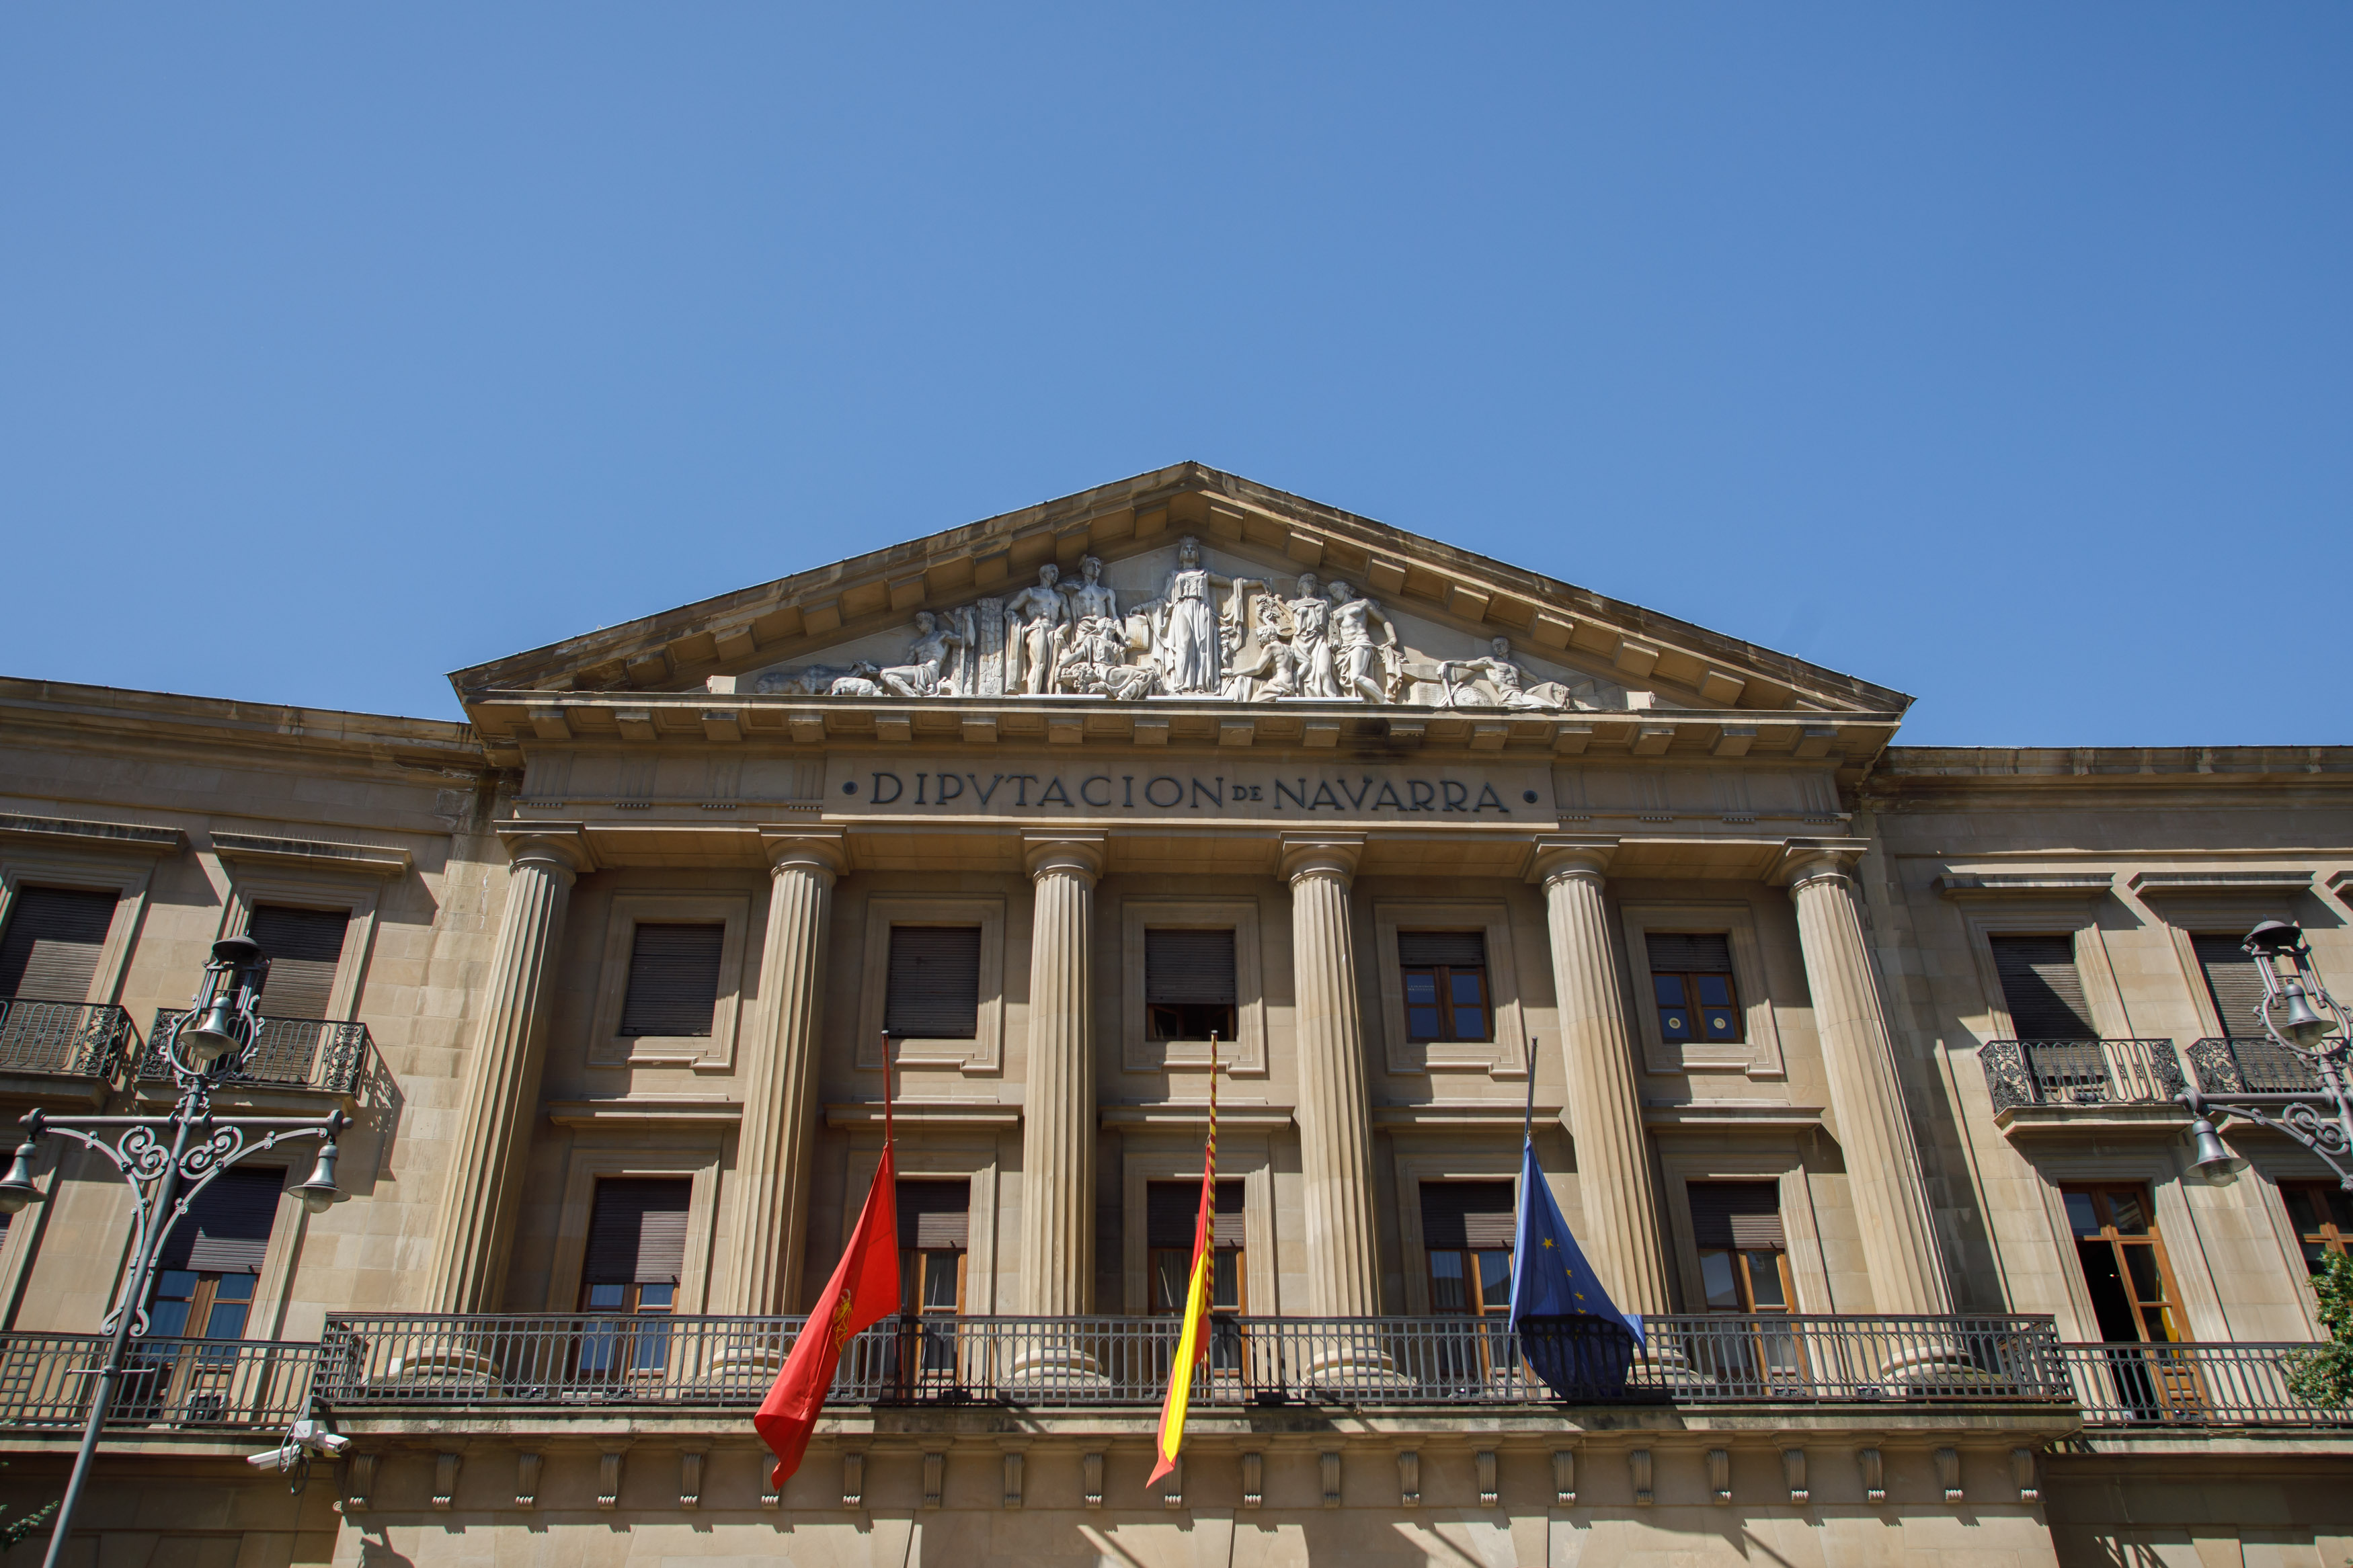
{"x":1058,"y":1116}
{"x":779,"y":1076}
{"x":1882,"y":1166}
{"x":1335,"y":1132}
{"x":1620,"y":1234}
{"x":502,"y":1072}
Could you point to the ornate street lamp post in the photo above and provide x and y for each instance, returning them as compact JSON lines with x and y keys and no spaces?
{"x":168,"y":1160}
{"x":2309,"y":1024}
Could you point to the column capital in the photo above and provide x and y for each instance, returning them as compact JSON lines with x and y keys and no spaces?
{"x":1070,"y":854}
{"x":554,"y":846}
{"x":825,"y":849}
{"x":1321,"y":854}
{"x":1804,"y":860}
{"x":1562,"y":855}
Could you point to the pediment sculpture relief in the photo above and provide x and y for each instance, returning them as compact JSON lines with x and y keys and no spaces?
{"x":1204,"y":635}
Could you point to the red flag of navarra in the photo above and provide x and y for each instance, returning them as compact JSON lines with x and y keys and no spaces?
{"x":864,"y":1290}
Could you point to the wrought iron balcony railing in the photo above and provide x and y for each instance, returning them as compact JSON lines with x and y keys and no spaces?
{"x":82,"y":1038}
{"x":2240,"y":1064}
{"x":477,"y":1362}
{"x":2080,"y":1073}
{"x":46,"y":1380}
{"x":2193,"y":1385}
{"x":292,"y":1053}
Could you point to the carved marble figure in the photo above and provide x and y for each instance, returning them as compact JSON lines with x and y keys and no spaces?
{"x":1091,"y":598}
{"x":1355,"y":651}
{"x":1040,"y":613}
{"x":1310,"y":639}
{"x":813,"y":679}
{"x":933,"y":647}
{"x":1185,"y":642}
{"x":1500,"y":671}
{"x":1263,"y":669}
{"x":1094,"y":661}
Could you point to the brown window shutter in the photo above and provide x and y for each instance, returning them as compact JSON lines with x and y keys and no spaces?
{"x":934,"y":990}
{"x":673,"y":981}
{"x":935,"y":1216}
{"x":49,"y":951}
{"x":1689,"y":952}
{"x":1170,"y":1208}
{"x":1466,"y":1215}
{"x":226,"y":1229}
{"x":1189,"y":966}
{"x":2042,"y":989}
{"x":2233,"y":982}
{"x":1454,"y":949}
{"x":1737,"y":1213}
{"x":304,"y":946}
{"x":637,"y":1233}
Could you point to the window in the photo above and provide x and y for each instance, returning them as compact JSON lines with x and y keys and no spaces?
{"x":1188,"y":985}
{"x":2041,"y":989}
{"x":1691,"y":973}
{"x":2234,"y":984}
{"x":211,"y":1261}
{"x":934,"y":1232}
{"x":303,"y":947}
{"x":2322,"y":1212}
{"x":1170,"y":1209}
{"x":933,"y":991}
{"x":673,"y":980}
{"x":1445,"y":974}
{"x":49,"y":951}
{"x":1744,"y":1253}
{"x":1466,"y":1228}
{"x":637,"y":1250}
{"x":2131,"y":1285}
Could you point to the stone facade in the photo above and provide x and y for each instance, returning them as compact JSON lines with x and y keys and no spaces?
{"x":804,"y":767}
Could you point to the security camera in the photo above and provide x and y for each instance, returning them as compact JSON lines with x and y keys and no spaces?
{"x":305,"y":1438}
{"x":281,"y":1458}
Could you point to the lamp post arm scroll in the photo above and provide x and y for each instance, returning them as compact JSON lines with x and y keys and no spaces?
{"x":2312,"y":1025}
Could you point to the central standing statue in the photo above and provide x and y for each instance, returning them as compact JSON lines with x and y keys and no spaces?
{"x":1191,"y":656}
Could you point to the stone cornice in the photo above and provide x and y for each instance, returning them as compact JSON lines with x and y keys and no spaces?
{"x":149,"y":718}
{"x":78,"y":834}
{"x":311,"y":853}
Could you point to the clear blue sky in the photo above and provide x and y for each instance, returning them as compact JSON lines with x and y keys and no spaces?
{"x":1999,"y":353}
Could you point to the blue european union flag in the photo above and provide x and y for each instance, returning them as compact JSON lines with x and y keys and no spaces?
{"x":1571,"y":1334}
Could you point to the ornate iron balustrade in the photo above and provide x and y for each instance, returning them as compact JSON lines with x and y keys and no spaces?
{"x":46,"y":1381}
{"x":559,"y":1360}
{"x":2193,"y":1385}
{"x":83,"y":1038}
{"x":290,"y":1053}
{"x":2080,"y":1073}
{"x":2241,"y":1064}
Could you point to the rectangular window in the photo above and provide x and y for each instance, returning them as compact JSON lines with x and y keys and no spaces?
{"x":49,"y":951}
{"x":934,"y":1239}
{"x":2124,"y":1264}
{"x":1188,"y":985}
{"x":673,"y":980}
{"x":2322,"y":1214}
{"x":1445,"y":974}
{"x":1691,"y":979}
{"x":934,"y":988}
{"x":2041,"y":988}
{"x":1170,"y":1209}
{"x":1466,"y":1228}
{"x":211,"y":1261}
{"x":637,"y":1251}
{"x":303,"y":947}
{"x":1743,"y":1252}
{"x":2234,"y":984}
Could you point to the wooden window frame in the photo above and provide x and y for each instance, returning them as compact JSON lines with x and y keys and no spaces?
{"x":712,"y":1053}
{"x":1729,"y":975}
{"x":2331,"y":1236}
{"x":1240,"y":1250}
{"x":1759,"y":1053}
{"x":608,"y":1151}
{"x":984,"y":1053}
{"x":1164,"y":1154}
{"x":1243,"y":1055}
{"x":1808,"y":1278}
{"x":2172,"y":1301}
{"x":1505,"y":1056}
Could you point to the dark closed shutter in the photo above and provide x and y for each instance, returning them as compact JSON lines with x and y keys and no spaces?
{"x":935,"y":1216}
{"x":1170,"y":1208}
{"x":2234,"y":983}
{"x":1689,"y":952}
{"x":673,"y":980}
{"x":304,"y":946}
{"x":2042,"y":989}
{"x":49,"y":951}
{"x":1737,"y":1213}
{"x":1474,"y":1216}
{"x":226,"y":1229}
{"x":935,"y":982}
{"x":636,"y":1233}
{"x":1189,"y":966}
{"x":1454,"y":949}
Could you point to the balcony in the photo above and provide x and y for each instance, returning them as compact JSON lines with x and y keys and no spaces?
{"x":2040,"y":1081}
{"x":46,"y":1381}
{"x":2238,"y":1064}
{"x":314,"y":1055}
{"x":2177,"y":1385}
{"x":43,"y":1042}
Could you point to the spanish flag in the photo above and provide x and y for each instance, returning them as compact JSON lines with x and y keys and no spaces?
{"x":1193,"y":1339}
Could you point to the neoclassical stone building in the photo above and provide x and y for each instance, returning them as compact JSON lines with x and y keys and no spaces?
{"x":1853,"y":1069}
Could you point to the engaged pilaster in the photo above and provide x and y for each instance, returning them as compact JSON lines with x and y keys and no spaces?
{"x":478,"y":1205}
{"x":1605,"y":1099}
{"x":779,"y":1074}
{"x":1336,"y":1136}
{"x":1057,"y":1118}
{"x":1882,"y":1166}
